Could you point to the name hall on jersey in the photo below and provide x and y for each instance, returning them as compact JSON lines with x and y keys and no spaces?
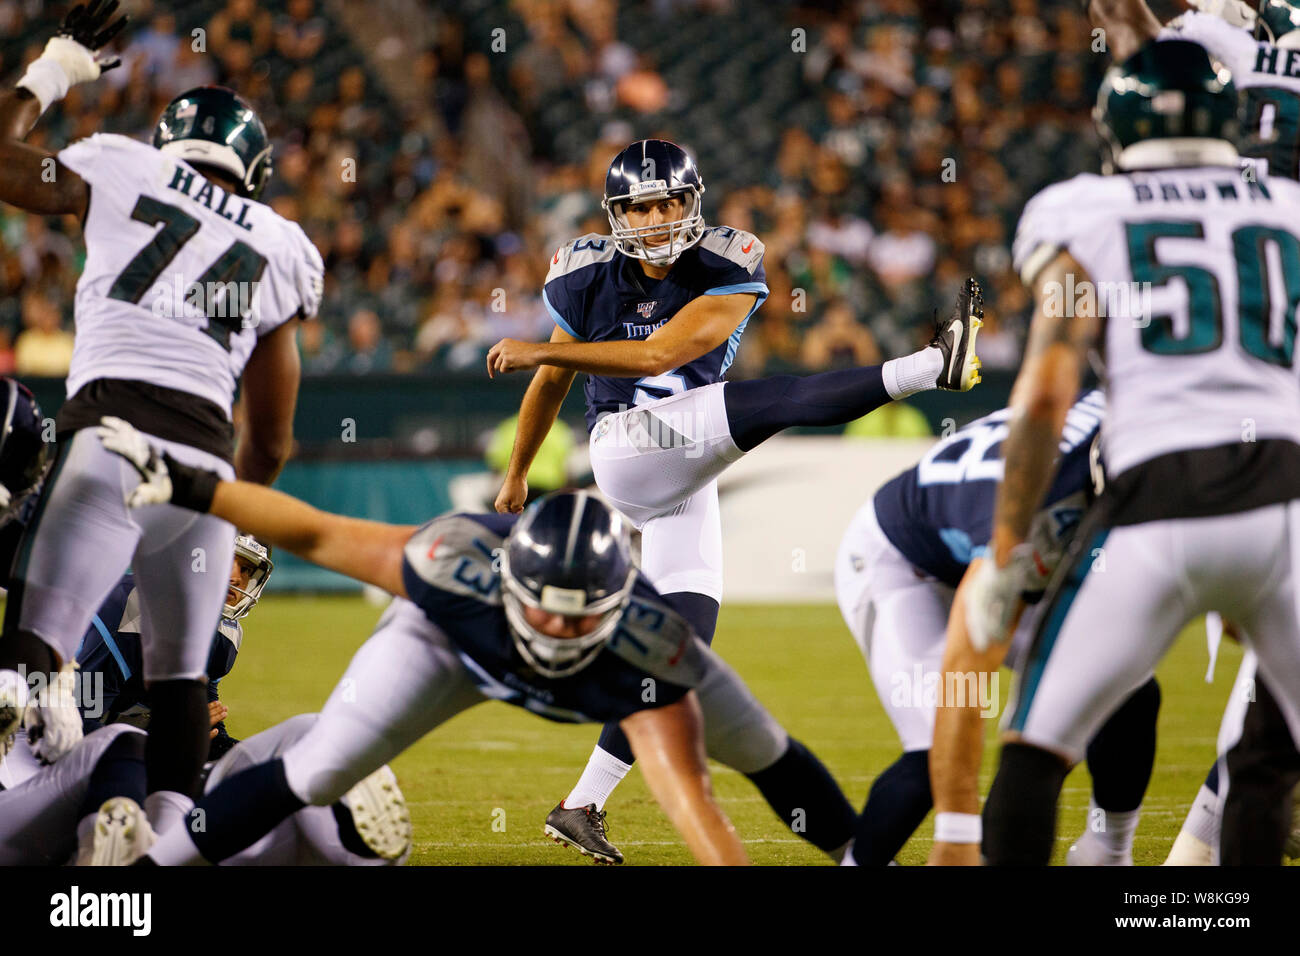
{"x":183,"y":181}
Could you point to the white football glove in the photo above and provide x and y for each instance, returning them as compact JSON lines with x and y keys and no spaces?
{"x":121,"y":438}
{"x":994,"y":595}
{"x":76,"y":54}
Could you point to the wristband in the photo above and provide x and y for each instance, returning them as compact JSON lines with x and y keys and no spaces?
{"x":46,"y":80}
{"x":192,"y":488}
{"x":958,"y":828}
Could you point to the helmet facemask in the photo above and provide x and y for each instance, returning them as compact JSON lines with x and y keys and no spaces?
{"x":256,"y":554}
{"x":681,"y":233}
{"x":554,"y":657}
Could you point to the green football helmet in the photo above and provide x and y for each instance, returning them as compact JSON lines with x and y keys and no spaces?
{"x":213,"y":126}
{"x":1278,"y":22}
{"x":1167,"y":105}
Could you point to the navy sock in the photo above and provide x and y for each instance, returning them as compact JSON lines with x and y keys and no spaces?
{"x":898,"y":802}
{"x":1020,"y":814}
{"x":119,"y":772}
{"x":178,"y":736}
{"x":1123,"y":751}
{"x":759,"y":408}
{"x":701,"y":612}
{"x":806,"y":797}
{"x":242,"y":809}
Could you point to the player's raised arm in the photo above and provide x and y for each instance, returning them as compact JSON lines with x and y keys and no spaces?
{"x":368,"y":551}
{"x":1044,"y":390}
{"x":669,"y":744}
{"x":537,"y":414}
{"x":31,"y":178}
{"x":699,"y":328}
{"x":1127,"y":24}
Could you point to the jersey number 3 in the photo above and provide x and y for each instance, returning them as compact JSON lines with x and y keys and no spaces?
{"x":224,"y":288}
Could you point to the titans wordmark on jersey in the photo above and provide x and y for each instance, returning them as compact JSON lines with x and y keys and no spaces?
{"x":939,"y":514}
{"x":181,"y":277}
{"x":597,"y":294}
{"x":1269,"y":78}
{"x":1200,"y":352}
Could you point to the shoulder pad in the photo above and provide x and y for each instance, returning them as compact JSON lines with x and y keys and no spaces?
{"x":584,"y":251}
{"x":1050,"y":219}
{"x":656,"y":639}
{"x":735,"y":245}
{"x":308,"y":270}
{"x":456,"y":554}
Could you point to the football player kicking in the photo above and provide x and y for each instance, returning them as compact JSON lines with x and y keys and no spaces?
{"x":900,"y":560}
{"x":1201,"y":439}
{"x":189,"y":282}
{"x":546,"y":612}
{"x":654,"y":313}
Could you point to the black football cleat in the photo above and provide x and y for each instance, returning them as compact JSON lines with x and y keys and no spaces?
{"x":955,"y":338}
{"x":582,"y":828}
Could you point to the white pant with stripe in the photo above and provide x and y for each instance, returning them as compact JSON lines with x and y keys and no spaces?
{"x":83,"y":538}
{"x":658,"y":464}
{"x":1130,"y":593}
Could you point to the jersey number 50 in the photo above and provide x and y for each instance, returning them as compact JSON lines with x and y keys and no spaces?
{"x":1255,"y":306}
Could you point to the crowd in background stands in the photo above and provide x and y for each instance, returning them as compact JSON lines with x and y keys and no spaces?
{"x":931,"y":125}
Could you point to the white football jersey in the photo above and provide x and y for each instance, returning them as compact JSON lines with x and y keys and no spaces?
{"x":1269,"y":75}
{"x":181,"y":277}
{"x":1198,"y":273}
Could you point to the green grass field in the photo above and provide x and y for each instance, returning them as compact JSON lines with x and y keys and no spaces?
{"x":480,"y":786}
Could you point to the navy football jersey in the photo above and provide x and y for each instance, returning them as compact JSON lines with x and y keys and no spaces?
{"x":939,"y":514}
{"x":596,"y":294}
{"x":452,"y":573}
{"x":110,"y":662}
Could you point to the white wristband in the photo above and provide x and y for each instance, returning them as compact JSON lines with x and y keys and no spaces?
{"x":47,"y":81}
{"x":958,"y":828}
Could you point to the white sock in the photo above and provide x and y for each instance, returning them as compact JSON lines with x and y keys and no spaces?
{"x":165,"y":809}
{"x":1203,"y":818}
{"x":1117,"y":837}
{"x":913,"y":373}
{"x":1188,"y":851}
{"x":602,"y":774}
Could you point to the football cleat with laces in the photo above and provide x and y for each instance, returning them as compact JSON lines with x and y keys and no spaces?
{"x":955,"y":338}
{"x":584,"y":829}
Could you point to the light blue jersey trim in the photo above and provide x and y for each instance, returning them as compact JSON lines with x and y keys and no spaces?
{"x":112,"y":647}
{"x":759,"y":287}
{"x":733,"y":340}
{"x":559,"y":319}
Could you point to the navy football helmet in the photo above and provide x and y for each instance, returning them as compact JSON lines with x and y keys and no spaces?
{"x":214,"y":126}
{"x":569,"y":554}
{"x":653,"y":169}
{"x":23,"y":452}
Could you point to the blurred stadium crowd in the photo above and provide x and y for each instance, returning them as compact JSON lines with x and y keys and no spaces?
{"x":882,"y":149}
